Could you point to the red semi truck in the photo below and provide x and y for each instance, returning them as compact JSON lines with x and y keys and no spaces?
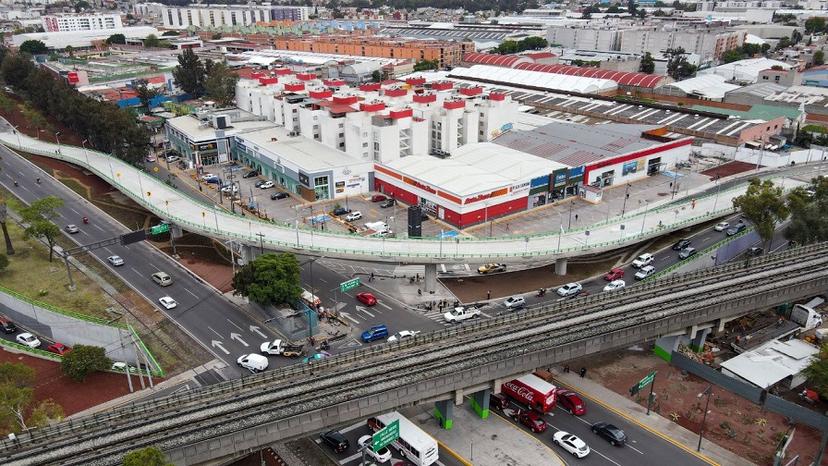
{"x":532,"y":391}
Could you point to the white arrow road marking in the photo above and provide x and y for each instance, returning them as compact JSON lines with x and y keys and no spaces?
{"x":217,"y":344}
{"x":348,"y":316}
{"x":362,"y":309}
{"x":257,"y":331}
{"x":237,"y":337}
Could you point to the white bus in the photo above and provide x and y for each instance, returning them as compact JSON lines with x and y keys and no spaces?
{"x":416,"y":445}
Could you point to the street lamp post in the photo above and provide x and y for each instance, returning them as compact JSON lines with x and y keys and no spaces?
{"x":644,"y":220}
{"x":569,"y":223}
{"x":57,"y":133}
{"x":707,"y":391}
{"x":17,"y":132}
{"x":85,"y":153}
{"x":626,"y":196}
{"x":716,"y":199}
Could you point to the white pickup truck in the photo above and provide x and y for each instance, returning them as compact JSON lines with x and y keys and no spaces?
{"x":459,"y":314}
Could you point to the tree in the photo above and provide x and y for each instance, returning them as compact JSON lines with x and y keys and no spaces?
{"x":819,"y":58}
{"x":424,"y":65}
{"x":149,"y":456}
{"x":677,"y":65}
{"x":220,"y":84}
{"x":116,"y":39}
{"x":18,"y":408}
{"x":39,"y":216}
{"x":808,"y":220}
{"x":4,"y":213}
{"x":34,"y":47}
{"x":146,"y":94}
{"x":817,"y":372}
{"x":732,"y":55}
{"x":783,"y":43}
{"x":814,"y":24}
{"x":796,"y":36}
{"x":69,"y":50}
{"x":216,"y":36}
{"x":647,"y":64}
{"x":376,"y":76}
{"x":152,"y":41}
{"x":269,"y":279}
{"x":613,"y":9}
{"x":84,"y":360}
{"x":764,"y":205}
{"x":631,"y":7}
{"x":189,"y":74}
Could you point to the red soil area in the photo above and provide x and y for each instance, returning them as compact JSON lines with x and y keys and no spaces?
{"x":727,"y":169}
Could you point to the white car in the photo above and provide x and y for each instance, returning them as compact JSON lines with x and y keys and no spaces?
{"x":402,"y":335}
{"x":459,"y":314}
{"x":167,"y":302}
{"x":615,"y":285}
{"x":208,"y":176}
{"x":642,"y":260}
{"x":28,"y":339}
{"x":721,"y":226}
{"x":252,"y":362}
{"x":115,"y":260}
{"x":267,"y":185}
{"x":123,"y":367}
{"x":645,"y":272}
{"x":381,"y":456}
{"x":356,"y":215}
{"x":230,"y":188}
{"x":71,"y":229}
{"x":273,"y":348}
{"x":571,"y":443}
{"x":514,"y":302}
{"x":570,"y":289}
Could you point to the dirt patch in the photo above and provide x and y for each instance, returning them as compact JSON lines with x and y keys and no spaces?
{"x":727,"y":169}
{"x":732,"y":422}
{"x":207,"y":258}
{"x":33,"y":122}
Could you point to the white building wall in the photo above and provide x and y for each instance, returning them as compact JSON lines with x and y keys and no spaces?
{"x":583,"y":38}
{"x":73,"y":22}
{"x":668,"y":159}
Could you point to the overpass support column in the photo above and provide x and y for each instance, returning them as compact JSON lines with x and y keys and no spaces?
{"x":560,"y":267}
{"x":247,"y":253}
{"x":480,"y":403}
{"x":697,"y":344}
{"x":430,"y":278}
{"x":444,"y":412}
{"x":665,"y":346}
{"x":176,"y":231}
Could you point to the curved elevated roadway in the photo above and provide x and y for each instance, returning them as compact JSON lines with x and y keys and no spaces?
{"x":234,"y":417}
{"x":197,"y":216}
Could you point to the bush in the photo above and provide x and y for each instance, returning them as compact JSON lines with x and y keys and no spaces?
{"x":149,"y":456}
{"x":84,"y":360}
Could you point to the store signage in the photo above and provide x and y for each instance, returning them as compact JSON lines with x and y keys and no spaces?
{"x":303,"y":179}
{"x":540,"y":181}
{"x":629,"y":167}
{"x":518,"y":188}
{"x":422,"y":186}
{"x":207,"y":146}
{"x":559,"y":177}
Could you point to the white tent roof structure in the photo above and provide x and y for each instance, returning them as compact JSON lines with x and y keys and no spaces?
{"x":708,"y":86}
{"x":551,"y":81}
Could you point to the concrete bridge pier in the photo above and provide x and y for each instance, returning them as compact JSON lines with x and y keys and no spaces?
{"x":560,"y":267}
{"x":247,"y":253}
{"x":430,"y":278}
{"x":444,"y":412}
{"x":480,"y":402}
{"x":697,"y":343}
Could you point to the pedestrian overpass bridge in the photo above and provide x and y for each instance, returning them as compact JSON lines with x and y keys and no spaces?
{"x":203,"y":218}
{"x":233,"y":418}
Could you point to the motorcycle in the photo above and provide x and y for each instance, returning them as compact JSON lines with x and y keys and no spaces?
{"x":85,"y":220}
{"x":541,"y":292}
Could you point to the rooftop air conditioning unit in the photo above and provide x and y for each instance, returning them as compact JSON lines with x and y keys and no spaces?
{"x":221,"y":121}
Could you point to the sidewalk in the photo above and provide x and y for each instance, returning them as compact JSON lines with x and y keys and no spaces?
{"x":654,"y":423}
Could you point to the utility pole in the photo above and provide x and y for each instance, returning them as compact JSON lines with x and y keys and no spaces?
{"x":626,"y":196}
{"x":707,"y":391}
{"x":261,"y":242}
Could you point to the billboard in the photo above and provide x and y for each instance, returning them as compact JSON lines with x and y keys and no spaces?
{"x":559,"y":178}
{"x":576,"y":175}
{"x":629,"y":167}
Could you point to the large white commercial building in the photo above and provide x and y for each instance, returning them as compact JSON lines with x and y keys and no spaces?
{"x":82,"y":39}
{"x":81,"y":22}
{"x":205,"y":16}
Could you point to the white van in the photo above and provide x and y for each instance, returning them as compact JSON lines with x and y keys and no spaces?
{"x":253,"y":362}
{"x":162,"y":279}
{"x":313,"y":301}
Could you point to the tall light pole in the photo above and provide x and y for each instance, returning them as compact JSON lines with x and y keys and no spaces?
{"x":718,"y":187}
{"x":707,"y":391}
{"x":569,"y":224}
{"x":643,"y":220}
{"x":626,"y":196}
{"x":85,"y":153}
{"x":17,"y":132}
{"x":57,"y":133}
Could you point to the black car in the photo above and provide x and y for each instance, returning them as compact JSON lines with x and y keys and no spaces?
{"x":736,"y":229}
{"x":612,"y":434}
{"x":681,"y":244}
{"x":755,"y":251}
{"x":341,"y":211}
{"x":498,"y":401}
{"x":279,"y":195}
{"x":336,"y":441}
{"x":7,"y":325}
{"x":388,"y":203}
{"x":251,"y":174}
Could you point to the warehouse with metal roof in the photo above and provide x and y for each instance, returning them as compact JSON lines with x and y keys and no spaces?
{"x":535,"y":79}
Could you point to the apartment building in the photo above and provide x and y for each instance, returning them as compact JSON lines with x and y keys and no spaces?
{"x":205,"y":16}
{"x":709,"y":44}
{"x":584,"y":38}
{"x":81,"y":22}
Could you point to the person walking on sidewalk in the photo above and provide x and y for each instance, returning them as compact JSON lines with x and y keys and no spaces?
{"x":582,"y":372}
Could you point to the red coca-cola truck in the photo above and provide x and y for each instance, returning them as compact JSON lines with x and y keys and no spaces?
{"x":532,"y":391}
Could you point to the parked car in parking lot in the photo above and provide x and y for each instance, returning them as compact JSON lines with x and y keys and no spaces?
{"x":681,"y":244}
{"x":251,"y":174}
{"x":260,"y":183}
{"x":267,"y":185}
{"x":353,"y":216}
{"x":736,"y":229}
{"x":570,"y":289}
{"x":340,"y":211}
{"x":642,"y":260}
{"x":388,"y":203}
{"x":336,"y":441}
{"x":645,"y":272}
{"x":612,"y":434}
{"x":28,"y":339}
{"x":378,"y":198}
{"x":279,"y":195}
{"x":231,"y":188}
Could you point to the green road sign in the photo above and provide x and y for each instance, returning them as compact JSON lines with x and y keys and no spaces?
{"x":647,"y":380}
{"x":385,"y":436}
{"x":349,"y":285}
{"x":158,"y":229}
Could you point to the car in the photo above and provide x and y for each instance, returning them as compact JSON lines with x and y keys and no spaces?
{"x":612,"y":434}
{"x":71,"y":229}
{"x":28,"y":339}
{"x":171,"y":157}
{"x":810,"y":191}
{"x":681,"y":244}
{"x":687,"y":252}
{"x":167,"y":302}
{"x":532,"y":420}
{"x":340,"y":211}
{"x":315,"y":357}
{"x":336,"y":441}
{"x":374,"y":333}
{"x":123,"y":367}
{"x":645,"y":272}
{"x":514,"y":302}
{"x":279,"y":347}
{"x":215,"y":180}
{"x":570,"y":289}
{"x":642,"y":260}
{"x":150,"y":158}
{"x":381,"y":456}
{"x":570,"y":401}
{"x":461,"y":313}
{"x":209,"y":176}
{"x":378,"y":198}
{"x":615,"y":285}
{"x":721,"y":226}
{"x":402,"y":335}
{"x":116,"y":261}
{"x":162,"y":278}
{"x":7,"y":325}
{"x":230,"y":189}
{"x":251,"y":174}
{"x":571,"y":443}
{"x":260,"y":183}
{"x":736,"y":229}
{"x":58,"y":348}
{"x":267,"y":185}
{"x":388,"y":203}
{"x":755,"y":251}
{"x":491,"y":268}
{"x":279,"y":195}
{"x":253,"y":362}
{"x":614,"y":274}
{"x":367,"y":298}
{"x":353,"y":216}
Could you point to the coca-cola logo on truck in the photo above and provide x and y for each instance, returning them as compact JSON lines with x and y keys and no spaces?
{"x":520,"y":391}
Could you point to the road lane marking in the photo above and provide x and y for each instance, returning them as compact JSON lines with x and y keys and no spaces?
{"x":636,"y":449}
{"x":73,"y":210}
{"x":191,"y":293}
{"x":133,"y":269}
{"x":362,"y":309}
{"x":234,"y":324}
{"x":99,"y":228}
{"x":592,"y":449}
{"x":109,"y":251}
{"x":211,"y":329}
{"x":322,"y":280}
{"x":384,"y":305}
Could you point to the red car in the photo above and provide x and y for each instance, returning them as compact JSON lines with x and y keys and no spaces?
{"x":378,"y":198}
{"x":367,"y":299}
{"x":614,"y":274}
{"x":533,"y":421}
{"x":58,"y":348}
{"x":570,"y":401}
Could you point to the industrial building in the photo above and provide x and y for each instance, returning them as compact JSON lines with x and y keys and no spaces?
{"x":83,"y":39}
{"x":81,"y":22}
{"x":217,"y":16}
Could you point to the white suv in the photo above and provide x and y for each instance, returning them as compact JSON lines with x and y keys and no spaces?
{"x":645,"y":272}
{"x":356,"y":215}
{"x":642,"y":260}
{"x":460,"y":314}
